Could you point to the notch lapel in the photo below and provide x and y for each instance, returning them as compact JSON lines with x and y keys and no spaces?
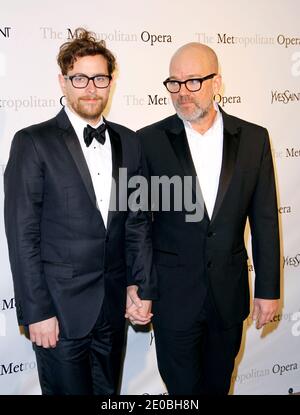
{"x":179,"y":143}
{"x":71,"y":140}
{"x":117,"y":160}
{"x":231,"y":141}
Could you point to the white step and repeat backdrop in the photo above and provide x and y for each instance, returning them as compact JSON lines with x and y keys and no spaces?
{"x":258,"y":44}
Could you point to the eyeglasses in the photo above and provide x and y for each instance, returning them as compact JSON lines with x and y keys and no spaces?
{"x":82,"y":81}
{"x":192,"y":85}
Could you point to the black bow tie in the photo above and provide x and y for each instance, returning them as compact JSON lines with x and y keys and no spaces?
{"x":89,"y":133}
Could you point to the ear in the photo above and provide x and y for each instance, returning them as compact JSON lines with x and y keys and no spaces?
{"x":113,"y":80}
{"x":62,"y":83}
{"x":217,"y":83}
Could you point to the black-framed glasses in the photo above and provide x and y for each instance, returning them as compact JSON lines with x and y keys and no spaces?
{"x":81,"y":80}
{"x":192,"y":84}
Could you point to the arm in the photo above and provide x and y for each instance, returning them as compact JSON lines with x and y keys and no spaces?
{"x":24,"y":188}
{"x":263,"y":218}
{"x":142,"y":284}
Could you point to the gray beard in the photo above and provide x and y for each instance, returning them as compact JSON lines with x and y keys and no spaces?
{"x":197,"y":115}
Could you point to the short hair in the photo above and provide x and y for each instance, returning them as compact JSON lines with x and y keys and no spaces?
{"x":83,"y":44}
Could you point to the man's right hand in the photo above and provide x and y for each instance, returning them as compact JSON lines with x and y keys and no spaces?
{"x":45,"y":333}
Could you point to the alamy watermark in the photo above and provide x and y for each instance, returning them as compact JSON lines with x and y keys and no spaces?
{"x":159,"y":193}
{"x":295,"y":69}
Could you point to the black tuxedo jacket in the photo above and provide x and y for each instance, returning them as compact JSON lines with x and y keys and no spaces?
{"x":189,"y":256}
{"x":63,"y":259}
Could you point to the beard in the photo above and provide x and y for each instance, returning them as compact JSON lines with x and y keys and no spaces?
{"x":88,"y":111}
{"x":191,"y":114}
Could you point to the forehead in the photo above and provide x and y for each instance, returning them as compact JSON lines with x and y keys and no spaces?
{"x":189,"y":62}
{"x":90,"y":65}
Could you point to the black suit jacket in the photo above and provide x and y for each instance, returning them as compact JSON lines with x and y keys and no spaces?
{"x":63,"y":259}
{"x":189,"y":257}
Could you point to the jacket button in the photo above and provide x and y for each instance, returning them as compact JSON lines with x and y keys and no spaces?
{"x":210,"y":234}
{"x":209,"y":264}
{"x":106,"y":238}
{"x":105,"y":269}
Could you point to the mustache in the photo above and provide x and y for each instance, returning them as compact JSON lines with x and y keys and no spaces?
{"x":90,"y":97}
{"x":185,"y":100}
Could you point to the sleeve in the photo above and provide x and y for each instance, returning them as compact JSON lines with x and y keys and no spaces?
{"x":263,"y":218}
{"x":139,"y":250}
{"x":24,"y":189}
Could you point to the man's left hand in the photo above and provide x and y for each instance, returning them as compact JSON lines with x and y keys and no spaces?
{"x":264,"y":311}
{"x":137,"y":311}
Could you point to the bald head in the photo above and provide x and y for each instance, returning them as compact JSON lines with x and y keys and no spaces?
{"x":194,"y":75}
{"x":194,"y":57}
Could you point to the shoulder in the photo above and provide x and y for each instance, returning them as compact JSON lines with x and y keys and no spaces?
{"x":121,"y":129}
{"x":253,"y":138}
{"x":33,"y":134}
{"x":129,"y":139}
{"x":162,"y":125}
{"x":234,"y":123}
{"x":37,"y":130}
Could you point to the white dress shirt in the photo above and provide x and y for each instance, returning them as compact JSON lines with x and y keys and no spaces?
{"x":206,"y":150}
{"x":99,"y":160}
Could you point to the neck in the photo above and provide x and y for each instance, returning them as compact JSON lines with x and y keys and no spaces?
{"x":91,"y":121}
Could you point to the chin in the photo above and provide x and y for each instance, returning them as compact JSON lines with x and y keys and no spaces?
{"x":187,"y":115}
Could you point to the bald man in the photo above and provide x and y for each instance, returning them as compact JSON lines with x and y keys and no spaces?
{"x":202,"y":265}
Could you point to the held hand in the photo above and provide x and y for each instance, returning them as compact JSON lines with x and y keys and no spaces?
{"x":132,"y":297}
{"x":141,"y":315}
{"x":264,"y":311}
{"x":137,"y":311}
{"x":145,"y":310}
{"x":45,"y":333}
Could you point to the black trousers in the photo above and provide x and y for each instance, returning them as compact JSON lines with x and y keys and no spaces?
{"x":200,"y":359}
{"x":86,"y":366}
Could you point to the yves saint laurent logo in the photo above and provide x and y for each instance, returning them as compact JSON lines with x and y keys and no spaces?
{"x":285,"y":97}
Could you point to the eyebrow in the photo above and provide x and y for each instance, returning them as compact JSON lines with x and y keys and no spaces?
{"x":191,"y":76}
{"x":84,"y":74}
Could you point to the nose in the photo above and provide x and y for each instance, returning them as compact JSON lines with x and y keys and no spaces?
{"x":183,"y":90}
{"x":91,"y":86}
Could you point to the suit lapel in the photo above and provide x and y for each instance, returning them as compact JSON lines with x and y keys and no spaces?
{"x":179,"y":143}
{"x":117,"y":160}
{"x":70,"y":138}
{"x":231,"y":140}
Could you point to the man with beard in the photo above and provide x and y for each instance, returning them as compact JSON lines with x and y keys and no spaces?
{"x":72,"y":253}
{"x":203,"y":290}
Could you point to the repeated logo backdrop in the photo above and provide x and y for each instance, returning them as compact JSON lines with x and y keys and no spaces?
{"x":258,"y":44}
